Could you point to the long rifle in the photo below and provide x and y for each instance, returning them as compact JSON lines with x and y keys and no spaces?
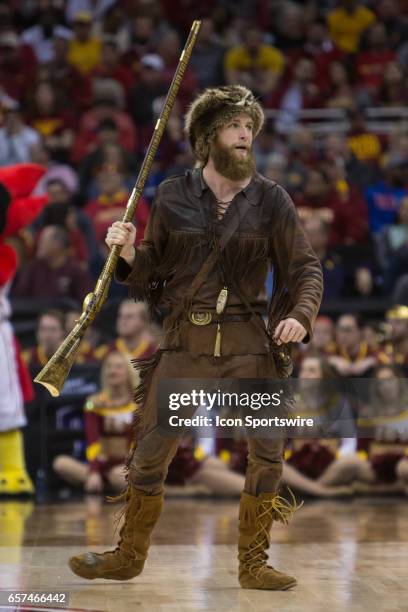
{"x":56,"y":370}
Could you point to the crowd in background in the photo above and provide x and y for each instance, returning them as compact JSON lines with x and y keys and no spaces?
{"x":82,"y":83}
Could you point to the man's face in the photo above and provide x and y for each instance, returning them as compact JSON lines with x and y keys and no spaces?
{"x":377,"y":36}
{"x":349,"y":5}
{"x":60,"y":46}
{"x":57,"y":193}
{"x":302,"y":139}
{"x":169,"y":47}
{"x":323,"y":333}
{"x":110,"y":183}
{"x":275,"y":170}
{"x":116,"y":370}
{"x":231,"y":149}
{"x":71,"y":319}
{"x":143,"y":28}
{"x":388,"y":385}
{"x":335,"y":145}
{"x":317,"y":34}
{"x":253,"y":40}
{"x":108,"y":135}
{"x":399,"y":328}
{"x":50,"y":333}
{"x":82,"y":30}
{"x":206,"y":30}
{"x":110,"y":56}
{"x":316,"y":185}
{"x":12,"y":120}
{"x":304,"y":71}
{"x":310,"y":368}
{"x":387,"y":9}
{"x":130,"y":321}
{"x":347,"y":331}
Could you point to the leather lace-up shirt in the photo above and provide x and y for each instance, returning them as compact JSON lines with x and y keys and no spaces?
{"x":183,"y":229}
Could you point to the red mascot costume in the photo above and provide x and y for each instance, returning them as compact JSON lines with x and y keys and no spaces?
{"x":18,"y":208}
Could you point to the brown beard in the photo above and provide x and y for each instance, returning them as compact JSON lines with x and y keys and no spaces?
{"x":227,"y":162}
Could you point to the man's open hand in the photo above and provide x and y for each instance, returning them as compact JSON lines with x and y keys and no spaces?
{"x":289,"y":330}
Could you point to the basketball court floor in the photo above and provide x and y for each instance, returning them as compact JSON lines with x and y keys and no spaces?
{"x":347,"y":555}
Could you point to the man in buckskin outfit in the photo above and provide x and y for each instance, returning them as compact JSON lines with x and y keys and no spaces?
{"x":212,"y":235}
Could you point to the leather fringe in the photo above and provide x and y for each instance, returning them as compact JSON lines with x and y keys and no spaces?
{"x":245,"y":259}
{"x":145,"y":368}
{"x":280,"y":303}
{"x":272,"y":504}
{"x":182,"y":248}
{"x":279,"y":306}
{"x":124,"y":498}
{"x":283,"y":509}
{"x":180,"y":251}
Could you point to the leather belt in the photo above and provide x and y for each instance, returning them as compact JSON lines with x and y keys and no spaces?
{"x":205,"y":318}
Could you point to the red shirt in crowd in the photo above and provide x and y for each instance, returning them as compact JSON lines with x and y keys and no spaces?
{"x":370,"y":67}
{"x":105,"y":210}
{"x":41,"y":281}
{"x":88,"y":131}
{"x":51,"y":125}
{"x":75,"y":87}
{"x":349,"y":214}
{"x":17,"y":72}
{"x":121,"y":74}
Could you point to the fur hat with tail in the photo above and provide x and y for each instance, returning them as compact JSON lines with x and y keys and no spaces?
{"x":214,"y":108}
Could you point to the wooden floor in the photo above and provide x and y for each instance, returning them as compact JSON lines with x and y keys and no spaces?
{"x":347,"y":555}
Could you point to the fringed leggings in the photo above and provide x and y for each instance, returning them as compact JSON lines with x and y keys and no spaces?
{"x":155,"y":448}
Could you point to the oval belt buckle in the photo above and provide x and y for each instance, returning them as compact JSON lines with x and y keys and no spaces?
{"x":200,"y":318}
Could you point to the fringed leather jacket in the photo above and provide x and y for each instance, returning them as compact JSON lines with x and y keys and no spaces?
{"x":183,"y":229}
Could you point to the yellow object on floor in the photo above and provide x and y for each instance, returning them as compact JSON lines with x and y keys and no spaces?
{"x":14,"y":479}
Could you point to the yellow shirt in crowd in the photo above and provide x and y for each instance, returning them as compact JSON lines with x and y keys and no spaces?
{"x":267,"y":58}
{"x":84,"y":56}
{"x":346,"y":29}
{"x":365,"y":146}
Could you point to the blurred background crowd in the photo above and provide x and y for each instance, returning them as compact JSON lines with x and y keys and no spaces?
{"x":81,"y":86}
